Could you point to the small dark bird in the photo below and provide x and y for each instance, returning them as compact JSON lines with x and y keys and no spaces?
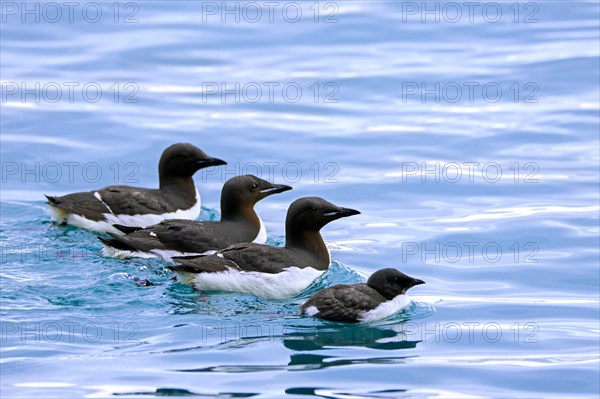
{"x":239,"y":223}
{"x":176,"y":196}
{"x":272,"y":272}
{"x":382,"y":296}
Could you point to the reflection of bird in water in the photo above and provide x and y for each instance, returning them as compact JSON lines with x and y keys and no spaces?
{"x":326,"y":393}
{"x":388,"y":337}
{"x":184,"y":392}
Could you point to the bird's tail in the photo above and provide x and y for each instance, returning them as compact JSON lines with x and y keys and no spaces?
{"x":182,"y":268}
{"x":116,"y":242}
{"x":52,"y":200}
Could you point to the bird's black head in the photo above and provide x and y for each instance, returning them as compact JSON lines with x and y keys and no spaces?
{"x":242,"y":192}
{"x":312,"y":213}
{"x":391,"y":282}
{"x":183,"y":160}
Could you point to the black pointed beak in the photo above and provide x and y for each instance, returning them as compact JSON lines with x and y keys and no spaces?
{"x":341,"y":213}
{"x":205,"y":163}
{"x":274,"y":189}
{"x":416,"y":281}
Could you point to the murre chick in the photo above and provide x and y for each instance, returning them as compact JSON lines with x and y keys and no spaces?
{"x":382,"y":296}
{"x":176,"y":196}
{"x":239,"y":223}
{"x":270,"y":272}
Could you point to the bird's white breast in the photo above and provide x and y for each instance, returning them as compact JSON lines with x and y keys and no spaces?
{"x":261,"y":238}
{"x":386,"y":309}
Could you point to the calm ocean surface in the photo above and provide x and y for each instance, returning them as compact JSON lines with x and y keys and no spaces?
{"x":467,"y":135}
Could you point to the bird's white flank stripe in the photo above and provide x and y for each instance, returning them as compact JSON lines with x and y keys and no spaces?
{"x":311,"y":310}
{"x":99,"y":198}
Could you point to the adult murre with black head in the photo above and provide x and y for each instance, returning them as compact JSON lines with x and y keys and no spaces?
{"x":271,"y":272}
{"x":176,"y":196}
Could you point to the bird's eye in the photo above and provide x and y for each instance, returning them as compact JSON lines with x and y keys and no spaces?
{"x":253,"y":187}
{"x":314,"y":209}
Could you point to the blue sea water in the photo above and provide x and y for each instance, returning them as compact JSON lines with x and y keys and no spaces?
{"x":467,"y":135}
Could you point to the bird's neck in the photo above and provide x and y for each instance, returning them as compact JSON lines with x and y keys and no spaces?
{"x":310,"y":242}
{"x":236,"y":213}
{"x":180,"y":187}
